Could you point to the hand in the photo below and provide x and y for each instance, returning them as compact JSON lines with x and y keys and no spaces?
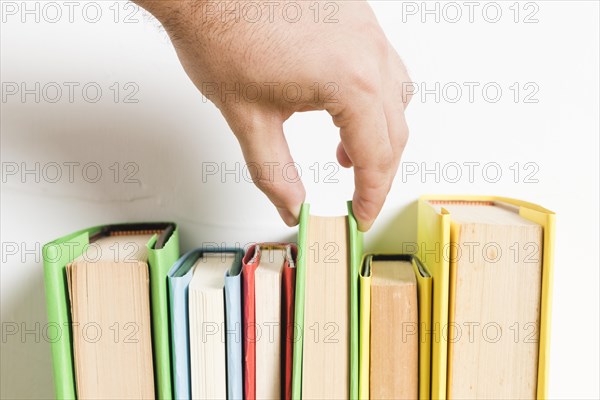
{"x":259,"y":67}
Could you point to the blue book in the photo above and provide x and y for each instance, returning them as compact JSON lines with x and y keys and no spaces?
{"x":233,"y":333}
{"x":179,"y":278}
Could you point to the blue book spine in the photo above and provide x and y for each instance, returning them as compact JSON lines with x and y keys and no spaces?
{"x":233,"y":326}
{"x":180,"y":344}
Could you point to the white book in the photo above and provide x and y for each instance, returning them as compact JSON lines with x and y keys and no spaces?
{"x":207,"y":325}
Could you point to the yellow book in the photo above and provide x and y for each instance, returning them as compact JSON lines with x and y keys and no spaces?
{"x":425,"y":301}
{"x":364,"y":335}
{"x":437,"y":238}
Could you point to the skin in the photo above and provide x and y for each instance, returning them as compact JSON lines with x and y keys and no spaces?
{"x":342,"y":63}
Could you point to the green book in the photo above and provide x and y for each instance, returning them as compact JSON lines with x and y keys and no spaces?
{"x":163,"y":251}
{"x":325,"y":358}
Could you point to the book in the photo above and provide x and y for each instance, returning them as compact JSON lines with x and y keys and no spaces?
{"x":288,"y":293}
{"x":491,"y":259}
{"x":179,"y":278}
{"x":498,"y":291}
{"x":268,"y":291}
{"x":325,"y":363}
{"x":162,"y":254}
{"x":234,"y":329}
{"x":207,"y":321}
{"x":163,"y":250}
{"x":364,"y":345}
{"x":394,"y":331}
{"x":109,"y":293}
{"x":379,"y":345}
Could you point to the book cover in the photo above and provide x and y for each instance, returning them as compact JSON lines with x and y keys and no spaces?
{"x":249,"y":347}
{"x":58,"y":253}
{"x":233,"y":329}
{"x":364,"y":312}
{"x":161,"y":256}
{"x":251,"y":261}
{"x":425,"y":300}
{"x":287,"y":320}
{"x":179,"y":278}
{"x":434,"y":235}
{"x":355,"y":246}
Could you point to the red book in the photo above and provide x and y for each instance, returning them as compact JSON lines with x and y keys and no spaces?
{"x":268,"y":283}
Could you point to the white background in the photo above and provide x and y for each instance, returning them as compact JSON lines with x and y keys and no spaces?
{"x":171,"y":134}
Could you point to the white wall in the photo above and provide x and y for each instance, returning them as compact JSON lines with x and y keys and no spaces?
{"x":170,"y":132}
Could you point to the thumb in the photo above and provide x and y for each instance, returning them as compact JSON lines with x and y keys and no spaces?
{"x":270,"y":163}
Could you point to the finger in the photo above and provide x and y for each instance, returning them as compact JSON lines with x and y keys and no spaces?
{"x":342,"y":156}
{"x":398,"y":131}
{"x":270,"y":163}
{"x":394,"y":106}
{"x":404,"y":86}
{"x":364,"y":134}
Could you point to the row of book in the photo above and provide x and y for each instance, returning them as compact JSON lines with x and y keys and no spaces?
{"x":467,"y":315}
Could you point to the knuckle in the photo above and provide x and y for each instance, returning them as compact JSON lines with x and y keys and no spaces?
{"x":404,"y":135}
{"x":363,"y":78}
{"x":408,"y":98}
{"x":385,"y":160}
{"x":378,"y":42}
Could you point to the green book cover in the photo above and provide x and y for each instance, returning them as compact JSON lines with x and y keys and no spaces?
{"x":355,"y":246}
{"x":60,"y":252}
{"x":161,"y":260}
{"x":57,"y":255}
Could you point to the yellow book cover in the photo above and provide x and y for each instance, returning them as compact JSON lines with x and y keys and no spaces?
{"x":434,"y":236}
{"x":364,"y":334}
{"x":424,"y":297}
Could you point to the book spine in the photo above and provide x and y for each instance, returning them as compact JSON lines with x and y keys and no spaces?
{"x":249,"y":328}
{"x":356,"y":249}
{"x":364,"y":336}
{"x":56,"y":256}
{"x":233,"y":332}
{"x":58,"y":316}
{"x":287,"y":323}
{"x":160,"y":262}
{"x":299,"y":303}
{"x":434,"y":234}
{"x":178,"y":287}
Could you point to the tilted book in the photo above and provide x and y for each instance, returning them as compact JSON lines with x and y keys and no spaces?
{"x":162,"y":252}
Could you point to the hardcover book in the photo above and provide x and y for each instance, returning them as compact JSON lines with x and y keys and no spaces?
{"x":325,"y":360}
{"x":162,"y":252}
{"x":499,"y":251}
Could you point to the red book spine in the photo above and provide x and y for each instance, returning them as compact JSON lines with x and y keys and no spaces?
{"x":250,"y":262}
{"x":288,"y":286}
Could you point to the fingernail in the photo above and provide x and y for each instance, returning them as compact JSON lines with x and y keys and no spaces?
{"x":364,"y":226}
{"x":288,"y":217}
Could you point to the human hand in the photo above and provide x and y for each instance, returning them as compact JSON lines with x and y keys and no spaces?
{"x":261,"y":63}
